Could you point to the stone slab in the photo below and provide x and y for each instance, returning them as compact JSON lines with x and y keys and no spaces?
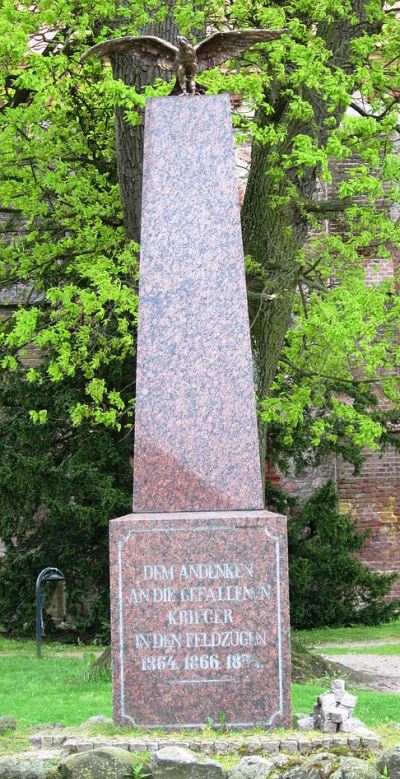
{"x":200,"y":624}
{"x":243,"y":745}
{"x":196,"y":444}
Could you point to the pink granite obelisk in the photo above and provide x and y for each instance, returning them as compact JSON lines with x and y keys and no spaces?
{"x":199,"y":585}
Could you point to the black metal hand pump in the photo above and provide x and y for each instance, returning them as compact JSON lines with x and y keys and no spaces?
{"x":47,"y":575}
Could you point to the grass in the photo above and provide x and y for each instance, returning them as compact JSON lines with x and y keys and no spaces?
{"x":52,"y":689}
{"x":385,"y":632}
{"x":13,"y":741}
{"x":376,"y":709}
{"x":381,"y":649}
{"x":55,"y":689}
{"x":26,"y":646}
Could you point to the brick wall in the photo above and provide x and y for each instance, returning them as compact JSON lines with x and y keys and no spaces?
{"x":303,"y":485}
{"x":373,"y":500}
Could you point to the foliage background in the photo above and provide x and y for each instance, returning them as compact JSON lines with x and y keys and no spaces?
{"x":326,"y":347}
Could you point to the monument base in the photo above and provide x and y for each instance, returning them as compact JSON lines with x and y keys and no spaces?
{"x":200,"y":621}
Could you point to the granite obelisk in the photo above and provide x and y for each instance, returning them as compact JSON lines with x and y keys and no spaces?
{"x":199,"y":585}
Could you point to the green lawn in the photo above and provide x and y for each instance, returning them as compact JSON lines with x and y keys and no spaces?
{"x":55,"y":689}
{"x":26,"y":646}
{"x":52,"y":689}
{"x":350,"y":649}
{"x":390,"y":630}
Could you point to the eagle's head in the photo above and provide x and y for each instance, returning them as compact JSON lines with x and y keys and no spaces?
{"x":183,"y":42}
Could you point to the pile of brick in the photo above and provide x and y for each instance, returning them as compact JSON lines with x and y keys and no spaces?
{"x":333,"y":712}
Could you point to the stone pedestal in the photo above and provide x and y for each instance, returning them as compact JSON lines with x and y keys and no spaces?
{"x":200,"y":620}
{"x":199,"y":572}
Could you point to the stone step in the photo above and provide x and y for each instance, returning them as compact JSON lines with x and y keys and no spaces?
{"x":40,"y":754}
{"x":218,"y":746}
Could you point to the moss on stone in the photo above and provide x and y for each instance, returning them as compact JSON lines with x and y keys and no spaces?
{"x":105,"y":763}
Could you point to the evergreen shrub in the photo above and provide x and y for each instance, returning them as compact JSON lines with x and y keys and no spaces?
{"x":329,"y":584}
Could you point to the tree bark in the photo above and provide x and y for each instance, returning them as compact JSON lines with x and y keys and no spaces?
{"x":129,"y":149}
{"x":129,"y":138}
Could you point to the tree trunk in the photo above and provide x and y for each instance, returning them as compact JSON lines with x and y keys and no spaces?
{"x":129,"y":147}
{"x":129,"y":138}
{"x":102,"y":665}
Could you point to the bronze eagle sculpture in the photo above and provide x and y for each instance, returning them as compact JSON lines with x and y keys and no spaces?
{"x":186,"y":60}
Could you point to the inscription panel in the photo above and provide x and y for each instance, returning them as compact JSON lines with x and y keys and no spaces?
{"x":200,"y":624}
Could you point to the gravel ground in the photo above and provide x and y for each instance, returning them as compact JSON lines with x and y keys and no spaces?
{"x":383,"y":670}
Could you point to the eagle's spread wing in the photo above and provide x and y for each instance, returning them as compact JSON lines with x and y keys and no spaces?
{"x":222,"y":46}
{"x":146,"y":48}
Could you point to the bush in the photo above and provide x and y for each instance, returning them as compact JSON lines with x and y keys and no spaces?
{"x":60,"y":486}
{"x":329,"y":585}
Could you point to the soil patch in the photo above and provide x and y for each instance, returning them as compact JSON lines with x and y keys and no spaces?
{"x":375,"y":672}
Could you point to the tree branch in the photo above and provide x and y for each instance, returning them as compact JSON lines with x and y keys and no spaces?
{"x":314,"y":284}
{"x":334,"y":379}
{"x":328,"y":206}
{"x":365,"y":114}
{"x":378,"y":117}
{"x":260,"y":295}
